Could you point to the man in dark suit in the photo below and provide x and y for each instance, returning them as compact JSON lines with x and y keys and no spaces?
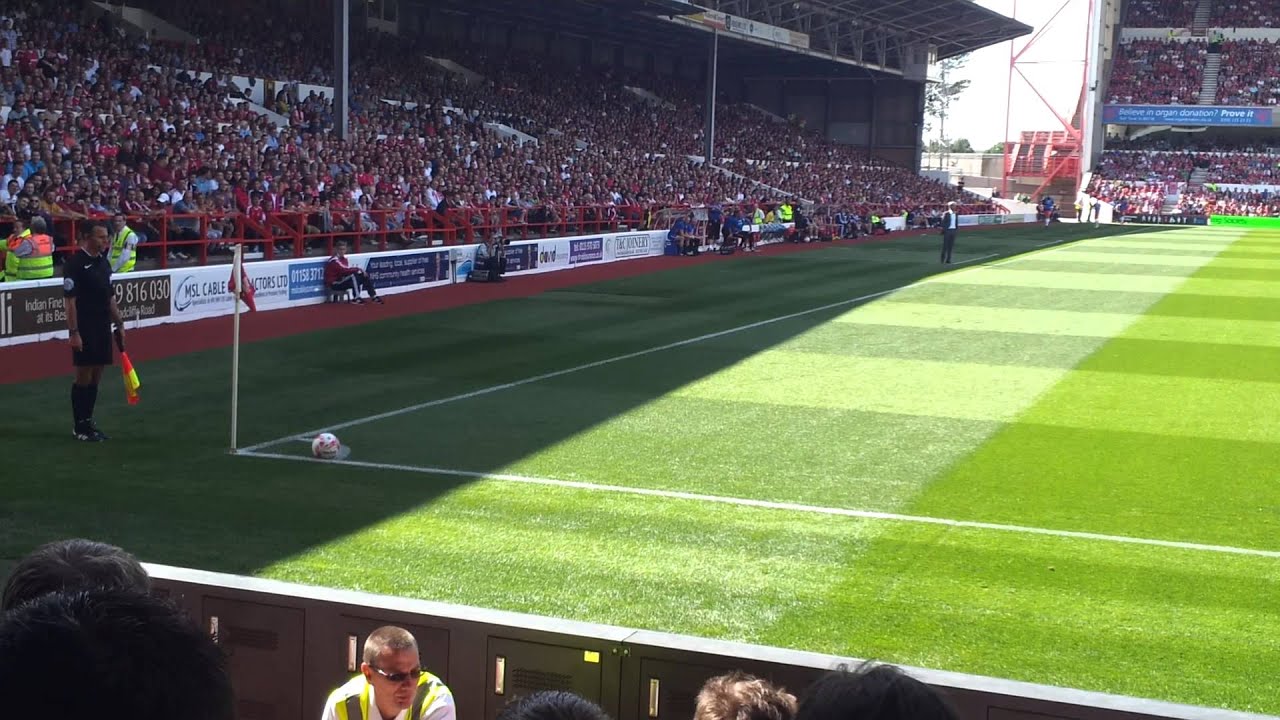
{"x":950,"y":224}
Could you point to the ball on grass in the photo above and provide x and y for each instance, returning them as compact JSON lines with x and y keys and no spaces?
{"x":326,"y":446}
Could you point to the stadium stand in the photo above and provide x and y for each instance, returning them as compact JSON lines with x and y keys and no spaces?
{"x":1248,"y":73}
{"x":159,"y":131}
{"x":1228,"y":59}
{"x":1158,"y":72}
{"x":1244,"y":14}
{"x":1161,"y":13}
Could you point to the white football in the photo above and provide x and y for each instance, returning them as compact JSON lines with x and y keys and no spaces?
{"x":326,"y":446}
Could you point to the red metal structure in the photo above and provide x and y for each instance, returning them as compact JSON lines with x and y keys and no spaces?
{"x":208,"y":238}
{"x":1049,"y":159}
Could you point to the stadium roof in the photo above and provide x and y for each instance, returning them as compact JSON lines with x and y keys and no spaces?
{"x":871,"y":34}
{"x":853,"y":27}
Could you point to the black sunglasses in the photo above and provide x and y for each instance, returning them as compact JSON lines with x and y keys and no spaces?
{"x":400,"y":676}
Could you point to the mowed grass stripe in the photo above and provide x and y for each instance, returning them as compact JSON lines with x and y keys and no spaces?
{"x":1153,"y":624}
{"x":1143,"y":438}
{"x":1162,"y":242}
{"x":979,"y":297}
{"x":1120,"y":281}
{"x":625,"y":560}
{"x":724,"y":448}
{"x":1089,"y":253}
{"x":1038,"y":323}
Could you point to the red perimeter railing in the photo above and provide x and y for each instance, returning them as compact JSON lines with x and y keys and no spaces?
{"x":169,"y":238}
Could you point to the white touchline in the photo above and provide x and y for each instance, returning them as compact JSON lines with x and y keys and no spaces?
{"x":785,"y":506}
{"x":972,"y":260}
{"x":628,"y":356}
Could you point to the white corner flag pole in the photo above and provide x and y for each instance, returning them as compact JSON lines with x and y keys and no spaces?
{"x":236,"y":269}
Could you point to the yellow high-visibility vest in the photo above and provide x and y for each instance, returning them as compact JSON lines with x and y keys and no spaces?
{"x":10,"y":260}
{"x":118,"y":245}
{"x":351,"y":701}
{"x":39,"y":264}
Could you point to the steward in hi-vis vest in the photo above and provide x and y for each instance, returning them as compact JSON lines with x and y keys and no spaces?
{"x":391,"y":685}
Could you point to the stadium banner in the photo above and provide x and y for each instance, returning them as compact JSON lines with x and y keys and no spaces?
{"x":1240,"y":221}
{"x":306,"y":280}
{"x":203,"y":291}
{"x":522,"y":257}
{"x":1157,"y":219}
{"x":723,"y":22}
{"x":399,"y":269}
{"x":623,"y":247}
{"x":39,"y":309}
{"x":553,"y":255}
{"x":42,"y":309}
{"x":1193,"y":115}
{"x":586,"y":250}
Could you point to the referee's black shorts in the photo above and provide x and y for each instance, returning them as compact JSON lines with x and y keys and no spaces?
{"x":95,"y":350}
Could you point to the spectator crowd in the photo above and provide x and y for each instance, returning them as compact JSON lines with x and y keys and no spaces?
{"x":1248,"y":73}
{"x":1244,"y":14}
{"x":1211,"y":200}
{"x":1158,"y":72}
{"x":101,"y":123}
{"x":1161,"y":13}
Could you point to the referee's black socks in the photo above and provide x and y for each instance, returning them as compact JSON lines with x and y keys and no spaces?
{"x":77,"y":404}
{"x":83,"y":400}
{"x":90,"y":401}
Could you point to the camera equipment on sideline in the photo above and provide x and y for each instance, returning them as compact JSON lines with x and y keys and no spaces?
{"x":490,"y":268}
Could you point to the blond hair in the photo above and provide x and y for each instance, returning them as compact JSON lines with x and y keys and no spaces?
{"x":739,"y":696}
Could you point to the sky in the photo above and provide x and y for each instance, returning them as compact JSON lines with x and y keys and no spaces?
{"x":1054,"y":63}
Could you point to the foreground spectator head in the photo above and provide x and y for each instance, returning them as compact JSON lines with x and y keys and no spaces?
{"x":71,"y":565}
{"x":739,"y":696}
{"x":132,"y":656}
{"x":872,"y":692}
{"x":553,"y":705}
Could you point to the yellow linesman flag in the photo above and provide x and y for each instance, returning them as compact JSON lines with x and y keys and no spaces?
{"x":131,"y":382}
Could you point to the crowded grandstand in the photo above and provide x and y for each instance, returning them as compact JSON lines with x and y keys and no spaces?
{"x":1211,"y":149}
{"x":228,"y":137}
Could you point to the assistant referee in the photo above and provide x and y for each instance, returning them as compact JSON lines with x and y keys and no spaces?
{"x":91,"y":310}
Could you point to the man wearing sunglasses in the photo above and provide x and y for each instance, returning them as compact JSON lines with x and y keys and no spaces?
{"x":391,"y":685}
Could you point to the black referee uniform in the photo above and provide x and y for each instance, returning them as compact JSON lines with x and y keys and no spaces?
{"x":87,"y":280}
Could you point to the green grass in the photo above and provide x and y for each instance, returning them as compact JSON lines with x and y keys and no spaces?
{"x":1122,"y":385}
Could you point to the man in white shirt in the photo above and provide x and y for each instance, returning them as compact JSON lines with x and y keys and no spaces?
{"x":950,"y":225}
{"x":9,"y":195}
{"x":391,"y":685}
{"x":14,"y":177}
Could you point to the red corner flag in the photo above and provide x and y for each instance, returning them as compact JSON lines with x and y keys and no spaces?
{"x":131,"y":383}
{"x":246,"y":288}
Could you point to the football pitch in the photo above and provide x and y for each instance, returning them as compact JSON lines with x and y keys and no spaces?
{"x":1055,"y":462}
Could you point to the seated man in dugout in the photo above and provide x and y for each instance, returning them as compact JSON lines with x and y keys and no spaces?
{"x":392,"y":684}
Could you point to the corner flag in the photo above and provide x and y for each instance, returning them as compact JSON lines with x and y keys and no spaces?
{"x":131,"y":382}
{"x":245,"y":288}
